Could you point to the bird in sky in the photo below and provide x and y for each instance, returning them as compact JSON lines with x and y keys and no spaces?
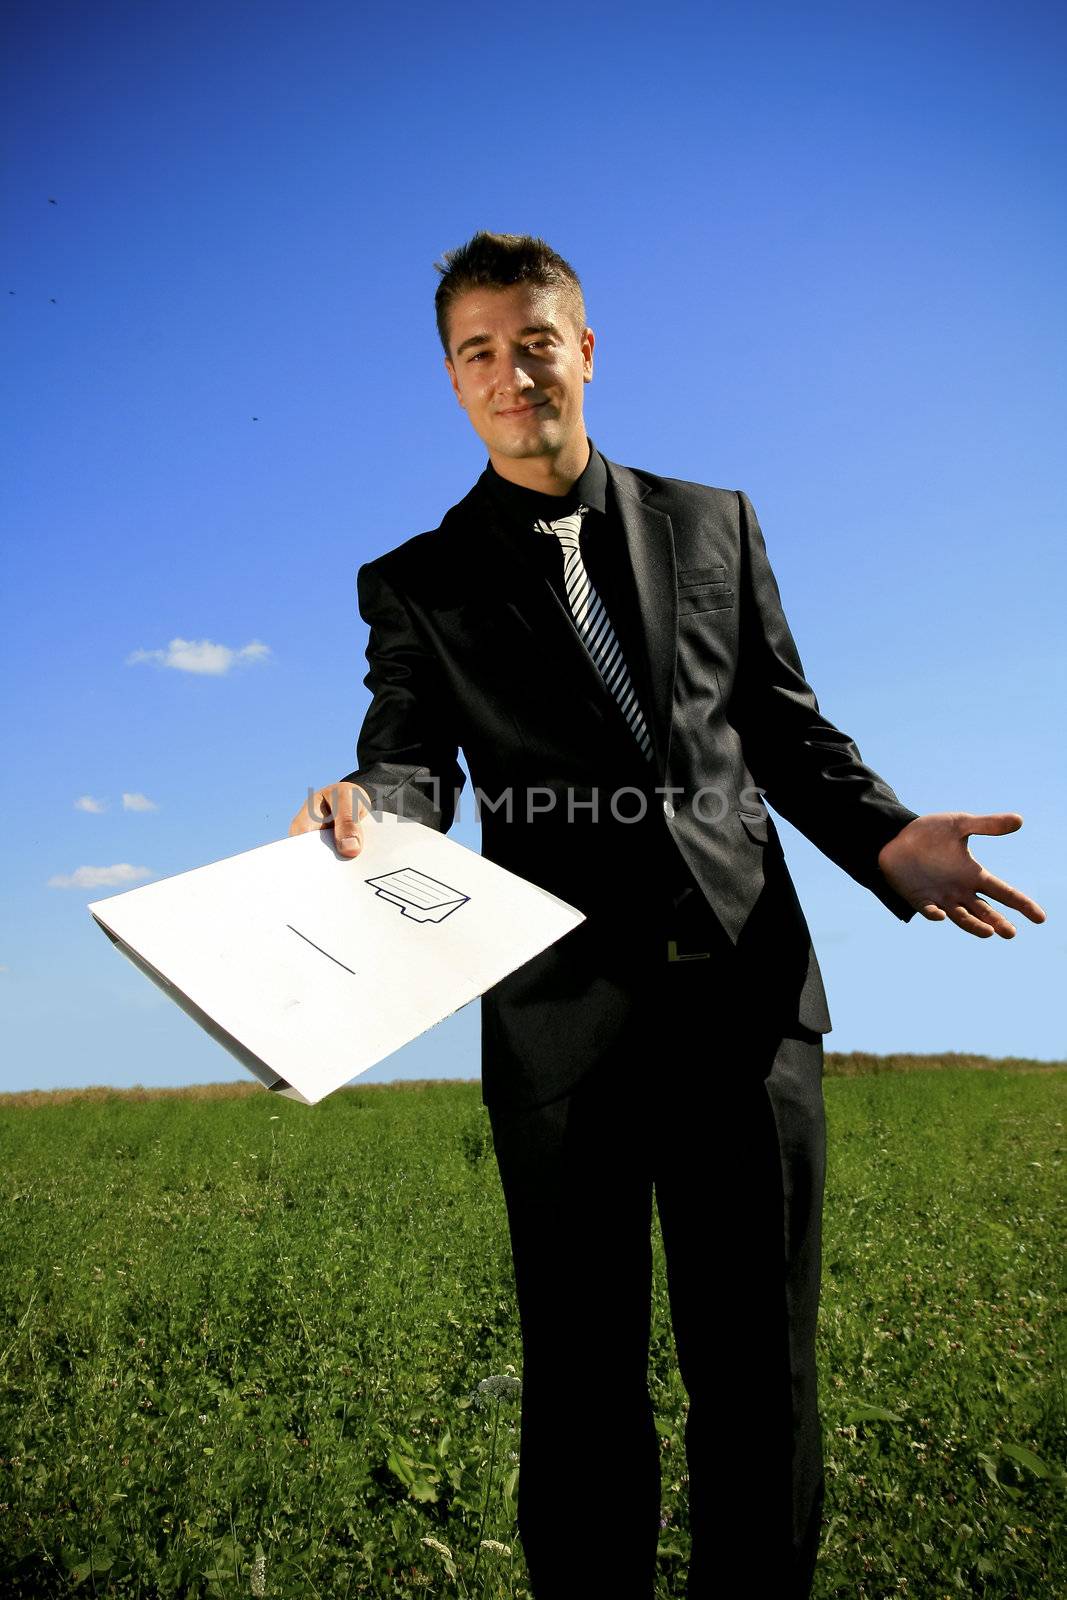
{"x":52,"y":202}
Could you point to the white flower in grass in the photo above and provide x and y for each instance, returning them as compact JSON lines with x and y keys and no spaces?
{"x":498,"y":1387}
{"x":444,"y":1552}
{"x":435,"y":1544}
{"x":495,"y":1545}
{"x":258,"y":1579}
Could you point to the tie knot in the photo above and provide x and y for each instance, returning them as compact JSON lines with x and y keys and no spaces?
{"x":568,"y":527}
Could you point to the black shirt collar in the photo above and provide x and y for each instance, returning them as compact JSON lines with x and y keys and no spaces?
{"x":526,"y":506}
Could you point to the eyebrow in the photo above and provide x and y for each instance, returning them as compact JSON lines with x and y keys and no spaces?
{"x":524,"y":333}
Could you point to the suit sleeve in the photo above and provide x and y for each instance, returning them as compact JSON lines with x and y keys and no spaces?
{"x":811,"y":772}
{"x":406,"y":749}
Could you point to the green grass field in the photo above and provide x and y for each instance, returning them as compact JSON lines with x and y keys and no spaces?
{"x":241,"y":1344}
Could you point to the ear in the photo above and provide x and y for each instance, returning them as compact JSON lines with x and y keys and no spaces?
{"x":586,"y":343}
{"x":450,"y":369}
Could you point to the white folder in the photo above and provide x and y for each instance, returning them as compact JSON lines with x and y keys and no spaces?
{"x":310,"y":967}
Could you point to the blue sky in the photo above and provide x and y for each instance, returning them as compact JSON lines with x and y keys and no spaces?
{"x":823,"y":254}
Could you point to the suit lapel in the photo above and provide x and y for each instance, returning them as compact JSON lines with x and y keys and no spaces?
{"x":507,"y":587}
{"x":650,"y":548}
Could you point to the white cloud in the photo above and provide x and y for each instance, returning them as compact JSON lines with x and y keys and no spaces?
{"x":202,"y":656}
{"x":88,"y":802}
{"x":100,"y":877}
{"x":138,"y":802}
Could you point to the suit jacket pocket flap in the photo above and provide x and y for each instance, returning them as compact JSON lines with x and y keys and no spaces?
{"x":687,"y":575}
{"x":755,"y":826}
{"x":705,"y":597}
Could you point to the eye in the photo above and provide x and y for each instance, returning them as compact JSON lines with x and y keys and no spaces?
{"x":478,"y":355}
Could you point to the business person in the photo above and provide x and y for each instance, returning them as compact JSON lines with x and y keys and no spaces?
{"x":608,"y":648}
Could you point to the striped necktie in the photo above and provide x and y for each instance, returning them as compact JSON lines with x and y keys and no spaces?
{"x":594,"y":624}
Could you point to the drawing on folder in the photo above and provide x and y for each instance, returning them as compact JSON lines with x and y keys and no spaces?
{"x":419,"y":896}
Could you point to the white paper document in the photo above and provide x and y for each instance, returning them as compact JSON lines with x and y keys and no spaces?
{"x":310,"y":968}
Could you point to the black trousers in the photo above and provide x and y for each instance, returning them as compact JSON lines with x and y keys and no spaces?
{"x":719,"y":1117}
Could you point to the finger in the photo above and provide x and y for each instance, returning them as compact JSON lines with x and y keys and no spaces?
{"x":995,"y":822}
{"x":310,"y":815}
{"x":347,"y":833}
{"x":992,"y":917}
{"x":318,"y":806}
{"x":997,"y":889}
{"x":932,"y":913}
{"x":969,"y":922}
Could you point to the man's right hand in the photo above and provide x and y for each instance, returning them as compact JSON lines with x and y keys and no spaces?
{"x":339,"y":806}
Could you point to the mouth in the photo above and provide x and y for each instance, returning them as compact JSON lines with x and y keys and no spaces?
{"x":522,"y":411}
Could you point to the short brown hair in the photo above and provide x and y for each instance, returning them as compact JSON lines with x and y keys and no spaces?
{"x":497,"y":260}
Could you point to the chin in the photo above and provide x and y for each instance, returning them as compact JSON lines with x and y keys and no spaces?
{"x":522,"y":452}
{"x":517,"y":449}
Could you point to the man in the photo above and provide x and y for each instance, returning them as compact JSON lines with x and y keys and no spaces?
{"x":608,"y":648}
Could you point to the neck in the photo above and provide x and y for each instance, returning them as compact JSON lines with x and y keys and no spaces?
{"x":551,"y":474}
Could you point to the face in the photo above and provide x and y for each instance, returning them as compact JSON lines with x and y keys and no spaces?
{"x":518,"y":368}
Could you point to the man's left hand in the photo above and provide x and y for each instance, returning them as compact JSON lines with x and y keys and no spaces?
{"x":929,"y":865}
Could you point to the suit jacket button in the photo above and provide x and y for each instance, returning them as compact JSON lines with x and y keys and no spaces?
{"x":668,"y":809}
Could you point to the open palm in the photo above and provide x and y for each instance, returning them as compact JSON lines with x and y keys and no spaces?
{"x":929,"y":865}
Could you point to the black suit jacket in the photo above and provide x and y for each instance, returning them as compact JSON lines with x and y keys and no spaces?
{"x":471,"y":648}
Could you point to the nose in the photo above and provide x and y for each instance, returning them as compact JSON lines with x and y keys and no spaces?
{"x":517,"y":384}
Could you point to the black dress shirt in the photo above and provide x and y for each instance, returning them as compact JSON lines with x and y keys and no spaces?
{"x":605,"y":557}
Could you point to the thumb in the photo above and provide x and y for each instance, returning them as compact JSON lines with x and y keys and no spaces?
{"x":347,"y":837}
{"x":347,"y":834}
{"x":995,"y":822}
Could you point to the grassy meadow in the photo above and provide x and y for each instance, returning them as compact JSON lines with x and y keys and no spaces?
{"x":249,"y":1347}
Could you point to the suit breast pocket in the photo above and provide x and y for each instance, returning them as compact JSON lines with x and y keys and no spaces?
{"x":705,"y":597}
{"x":704,"y":589}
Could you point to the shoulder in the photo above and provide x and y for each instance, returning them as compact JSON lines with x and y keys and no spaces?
{"x":424,"y":562}
{"x":412,"y":555}
{"x":674,"y":494}
{"x":423,"y":548}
